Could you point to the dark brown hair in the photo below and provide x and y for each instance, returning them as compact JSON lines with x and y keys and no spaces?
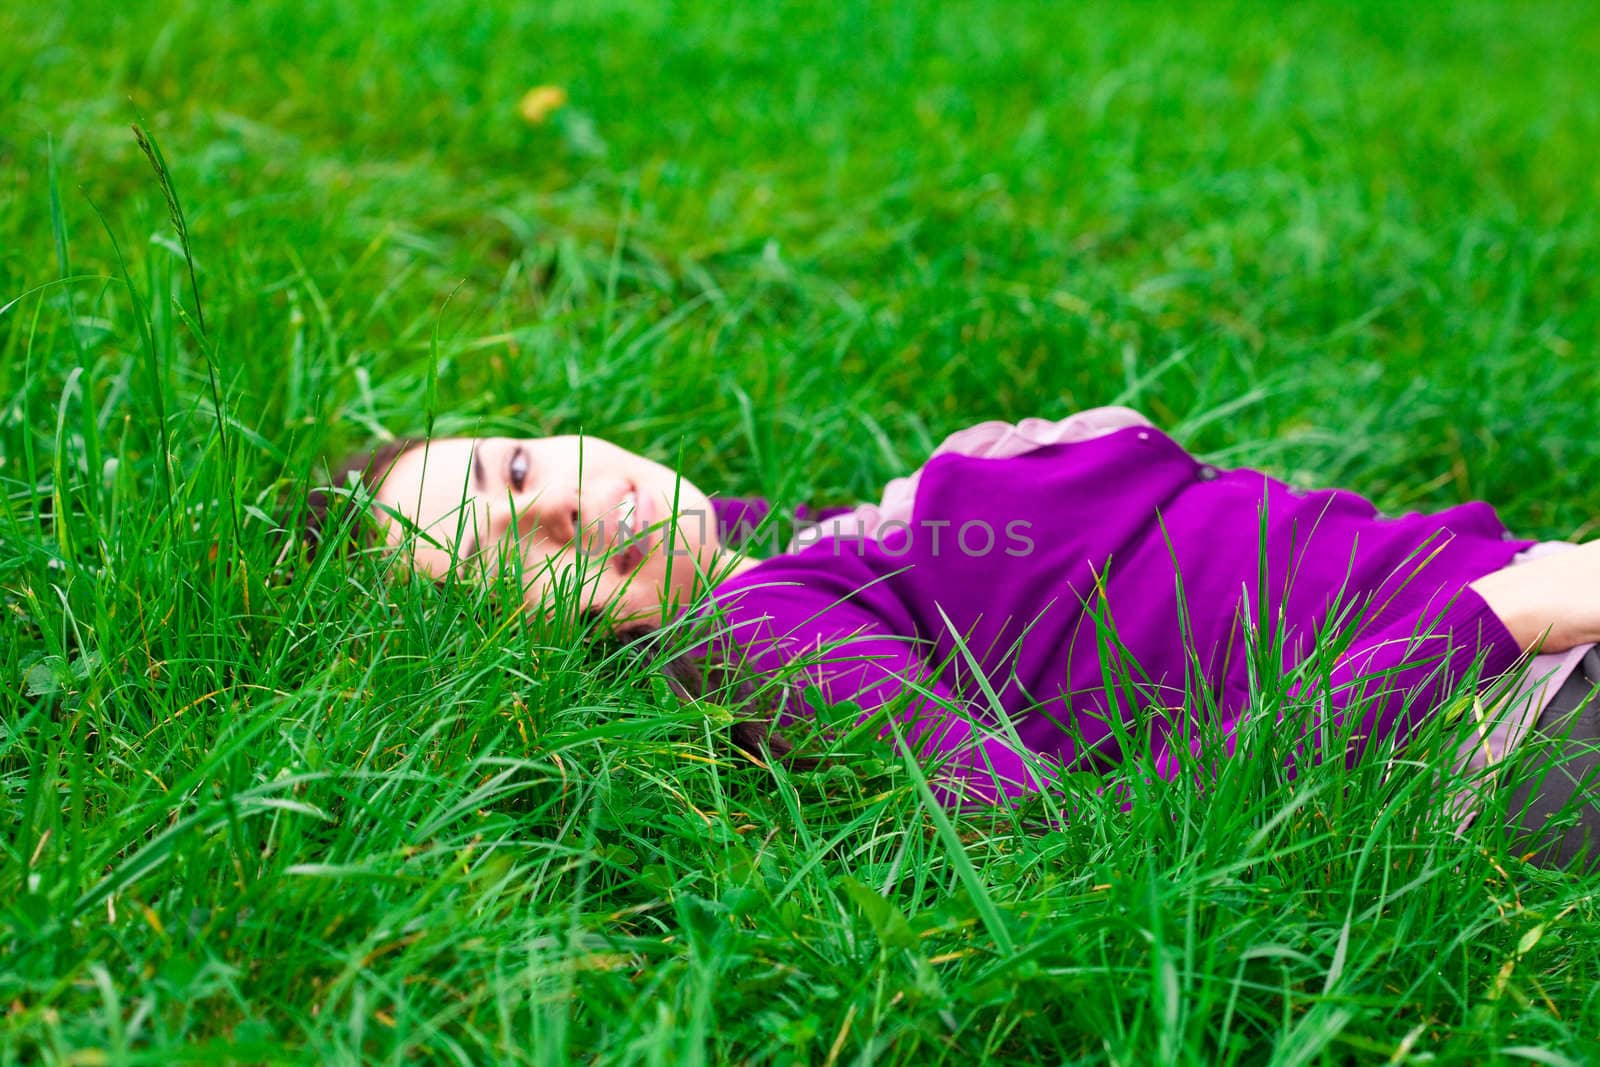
{"x":332,"y":511}
{"x":332,"y":521}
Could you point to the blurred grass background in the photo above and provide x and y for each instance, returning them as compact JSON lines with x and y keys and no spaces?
{"x":788,"y":246}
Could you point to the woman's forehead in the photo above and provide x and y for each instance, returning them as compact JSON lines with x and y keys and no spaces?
{"x":456,"y":464}
{"x":442,"y":458}
{"x":426,"y":482}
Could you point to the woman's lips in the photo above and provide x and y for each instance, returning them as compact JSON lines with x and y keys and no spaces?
{"x":631,"y":537}
{"x":643,"y":515}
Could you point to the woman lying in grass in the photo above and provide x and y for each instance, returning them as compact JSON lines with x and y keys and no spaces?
{"x":1088,"y":577}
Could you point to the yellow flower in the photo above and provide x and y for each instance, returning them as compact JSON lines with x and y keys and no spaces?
{"x":540,"y":102}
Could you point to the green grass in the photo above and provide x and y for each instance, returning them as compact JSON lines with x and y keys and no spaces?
{"x":260,"y":815}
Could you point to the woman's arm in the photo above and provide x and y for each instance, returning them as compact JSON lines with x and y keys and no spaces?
{"x":850,"y":654}
{"x":875,"y":671}
{"x":1395,"y":676}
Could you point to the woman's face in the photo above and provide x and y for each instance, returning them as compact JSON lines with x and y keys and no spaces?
{"x":576,"y":514}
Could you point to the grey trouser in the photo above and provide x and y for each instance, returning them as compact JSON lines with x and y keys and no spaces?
{"x":1558,"y":804}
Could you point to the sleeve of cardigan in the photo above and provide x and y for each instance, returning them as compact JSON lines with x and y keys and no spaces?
{"x":849,"y":654}
{"x":1394,"y":676}
{"x":976,"y":764}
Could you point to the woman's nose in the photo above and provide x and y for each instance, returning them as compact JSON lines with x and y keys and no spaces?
{"x":549,"y":512}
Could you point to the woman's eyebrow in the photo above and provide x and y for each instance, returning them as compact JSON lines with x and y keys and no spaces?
{"x":480,"y":481}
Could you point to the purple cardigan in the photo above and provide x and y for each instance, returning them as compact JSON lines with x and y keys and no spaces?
{"x":1109,"y":591}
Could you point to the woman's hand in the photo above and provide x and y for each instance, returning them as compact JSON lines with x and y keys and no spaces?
{"x":1552,"y":602}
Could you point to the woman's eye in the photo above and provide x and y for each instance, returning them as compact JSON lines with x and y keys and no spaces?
{"x":518,"y":470}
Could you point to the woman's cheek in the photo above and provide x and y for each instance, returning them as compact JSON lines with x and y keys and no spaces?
{"x":668,"y":570}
